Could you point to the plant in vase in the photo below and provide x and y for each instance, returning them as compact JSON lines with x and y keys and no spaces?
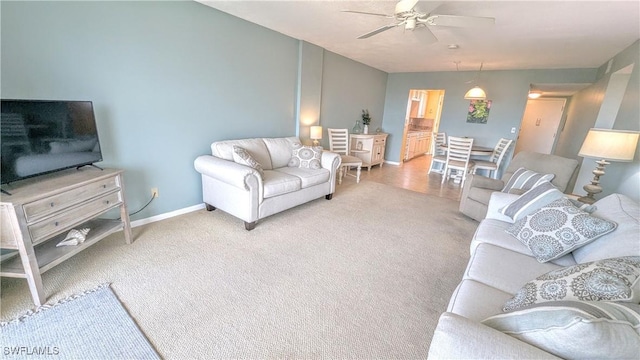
{"x":366,"y":120}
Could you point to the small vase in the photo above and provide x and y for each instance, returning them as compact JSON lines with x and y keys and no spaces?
{"x":357,"y":129}
{"x":366,"y":129}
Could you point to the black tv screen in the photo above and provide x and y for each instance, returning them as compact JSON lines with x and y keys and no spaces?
{"x":41,"y":136}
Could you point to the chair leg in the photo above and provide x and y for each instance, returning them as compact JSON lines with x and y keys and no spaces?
{"x":340,"y":175}
{"x":445,"y":173}
{"x":358,"y":174}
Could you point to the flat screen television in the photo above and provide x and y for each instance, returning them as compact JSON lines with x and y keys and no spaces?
{"x":42,"y":136}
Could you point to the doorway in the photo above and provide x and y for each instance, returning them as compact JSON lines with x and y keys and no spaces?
{"x":424,"y":107}
{"x":539,"y":127}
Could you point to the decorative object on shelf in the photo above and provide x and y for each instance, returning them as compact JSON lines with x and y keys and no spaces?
{"x":366,"y":120}
{"x":357,"y":128}
{"x":316,"y":134}
{"x":476,"y":92}
{"x":74,"y":237}
{"x":378,"y":130}
{"x":606,"y":144}
{"x":479,"y":111}
{"x":359,"y":145}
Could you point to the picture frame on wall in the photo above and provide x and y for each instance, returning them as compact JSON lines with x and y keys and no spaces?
{"x":479,"y":111}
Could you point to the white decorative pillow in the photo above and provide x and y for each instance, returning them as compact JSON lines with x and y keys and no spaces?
{"x":616,"y":279}
{"x":524,"y":179}
{"x":576,"y":329}
{"x":557,"y":229}
{"x":532,"y":200}
{"x":308,"y":157}
{"x":242,"y":156}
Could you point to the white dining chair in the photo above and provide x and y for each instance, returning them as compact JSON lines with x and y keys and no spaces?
{"x":496,"y":158}
{"x":339,"y":143}
{"x":438,"y":152}
{"x":458,"y":157}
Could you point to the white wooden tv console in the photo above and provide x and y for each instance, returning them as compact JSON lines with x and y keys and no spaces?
{"x":40,"y":212}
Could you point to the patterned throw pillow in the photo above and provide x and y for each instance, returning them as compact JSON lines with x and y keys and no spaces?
{"x":242,"y":156}
{"x":524,"y":179}
{"x":307,"y":157}
{"x":615,"y":279}
{"x":532,"y":200}
{"x":576,"y":329}
{"x":557,"y":229}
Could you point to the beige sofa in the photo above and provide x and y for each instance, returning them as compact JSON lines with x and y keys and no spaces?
{"x":477,"y":189}
{"x":251,"y":194}
{"x":500,"y":265}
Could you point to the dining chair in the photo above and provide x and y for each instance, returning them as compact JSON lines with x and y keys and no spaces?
{"x":339,"y":143}
{"x":438,"y":152}
{"x":496,"y":158}
{"x":458,"y":157}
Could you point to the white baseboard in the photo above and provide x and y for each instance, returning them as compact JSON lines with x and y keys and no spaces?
{"x":168,"y":215}
{"x":392,"y":162}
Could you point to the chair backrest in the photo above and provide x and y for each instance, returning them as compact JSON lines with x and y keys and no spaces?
{"x":459,"y":149}
{"x":500,"y":150}
{"x":338,"y":141}
{"x":564,"y":169}
{"x":439,"y":140}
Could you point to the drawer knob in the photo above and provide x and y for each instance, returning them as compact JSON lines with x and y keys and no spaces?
{"x":107,"y":202}
{"x":55,"y":223}
{"x":52,"y":204}
{"x":104,"y":186}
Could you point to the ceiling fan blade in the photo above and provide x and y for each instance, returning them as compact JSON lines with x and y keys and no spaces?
{"x":367,"y":13}
{"x":424,"y":35}
{"x":379,"y":30}
{"x":405,"y":5}
{"x":459,"y":21}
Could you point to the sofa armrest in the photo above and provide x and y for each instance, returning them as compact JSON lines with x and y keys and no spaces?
{"x":226,"y":171}
{"x":457,"y":337}
{"x":486,"y":182}
{"x":330,"y":160}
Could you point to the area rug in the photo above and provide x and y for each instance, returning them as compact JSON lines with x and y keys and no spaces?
{"x":91,"y":325}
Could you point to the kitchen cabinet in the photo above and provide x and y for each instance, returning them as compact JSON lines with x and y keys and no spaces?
{"x":418,"y":143}
{"x":422,"y":107}
{"x":370,"y":148}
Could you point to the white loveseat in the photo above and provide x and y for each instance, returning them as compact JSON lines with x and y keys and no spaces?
{"x":253,"y":193}
{"x":500,"y":266}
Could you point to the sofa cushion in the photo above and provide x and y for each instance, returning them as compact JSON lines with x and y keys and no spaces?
{"x":624,"y":241}
{"x":255,"y":147}
{"x":242,"y":156}
{"x":308,"y":157}
{"x":576,"y":329}
{"x":504,"y":269}
{"x":477,"y":301}
{"x":278,"y":183}
{"x":491,"y":231}
{"x":308,"y":177}
{"x":557,"y":229}
{"x":524,"y":179}
{"x":280,"y":150}
{"x":532,"y":200}
{"x":616,"y":279}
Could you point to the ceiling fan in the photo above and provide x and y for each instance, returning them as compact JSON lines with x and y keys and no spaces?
{"x":405,"y":15}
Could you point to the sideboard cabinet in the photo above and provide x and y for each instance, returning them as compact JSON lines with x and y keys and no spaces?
{"x":369,"y":148}
{"x":41,"y":211}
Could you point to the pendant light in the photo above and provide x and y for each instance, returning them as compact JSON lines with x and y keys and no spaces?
{"x":476,"y":92}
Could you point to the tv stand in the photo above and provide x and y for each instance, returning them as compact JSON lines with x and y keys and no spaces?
{"x":41,"y":212}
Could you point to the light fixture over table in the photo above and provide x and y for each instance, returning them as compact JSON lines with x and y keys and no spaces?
{"x":604,"y":144}
{"x":476,"y":92}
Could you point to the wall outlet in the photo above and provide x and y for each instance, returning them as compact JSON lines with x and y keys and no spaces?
{"x":513,"y":130}
{"x":155,"y":193}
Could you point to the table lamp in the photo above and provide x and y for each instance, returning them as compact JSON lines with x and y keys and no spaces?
{"x":603,"y":144}
{"x":316,"y":134}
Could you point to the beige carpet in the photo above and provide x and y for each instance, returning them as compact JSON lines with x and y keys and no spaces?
{"x":365,"y":275}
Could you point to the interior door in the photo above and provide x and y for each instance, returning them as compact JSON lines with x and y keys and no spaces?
{"x":539,"y":126}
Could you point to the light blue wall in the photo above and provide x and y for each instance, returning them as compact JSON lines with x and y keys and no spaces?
{"x":506,"y":89}
{"x":166,"y":79}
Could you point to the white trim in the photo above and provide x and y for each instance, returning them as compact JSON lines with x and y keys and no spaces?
{"x":392,"y":162}
{"x":168,"y":215}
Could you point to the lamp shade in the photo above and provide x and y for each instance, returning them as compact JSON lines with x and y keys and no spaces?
{"x":475,"y":93}
{"x":316,"y":132}
{"x":615,"y":145}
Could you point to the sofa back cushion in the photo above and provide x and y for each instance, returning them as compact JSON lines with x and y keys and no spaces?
{"x":563,"y":168}
{"x":280,"y":150}
{"x":624,"y":241}
{"x":255,"y":147}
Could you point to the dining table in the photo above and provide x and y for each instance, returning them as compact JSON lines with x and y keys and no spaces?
{"x":476,"y":150}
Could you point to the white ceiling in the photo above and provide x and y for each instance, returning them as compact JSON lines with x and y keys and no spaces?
{"x":527,"y":34}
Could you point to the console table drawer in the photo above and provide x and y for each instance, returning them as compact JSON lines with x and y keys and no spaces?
{"x":47,"y":206}
{"x":73,"y":217}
